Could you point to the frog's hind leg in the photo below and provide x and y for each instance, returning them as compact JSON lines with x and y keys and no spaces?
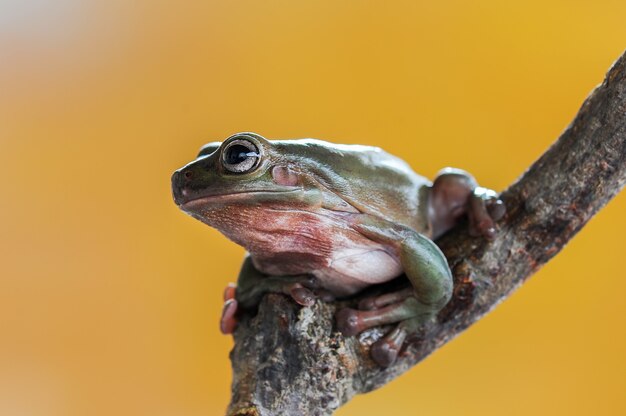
{"x":454,"y":194}
{"x":426,"y":268}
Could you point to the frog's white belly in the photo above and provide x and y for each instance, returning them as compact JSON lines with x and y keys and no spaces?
{"x":354,"y":268}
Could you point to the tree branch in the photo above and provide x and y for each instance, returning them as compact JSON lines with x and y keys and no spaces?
{"x":290,"y":360}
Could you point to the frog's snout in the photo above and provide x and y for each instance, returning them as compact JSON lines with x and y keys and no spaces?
{"x":181,"y":179}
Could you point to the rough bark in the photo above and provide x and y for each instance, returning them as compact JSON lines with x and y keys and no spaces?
{"x":289,"y":360}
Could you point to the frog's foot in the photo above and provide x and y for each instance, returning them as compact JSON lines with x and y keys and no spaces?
{"x":407,"y":312}
{"x":303,"y":289}
{"x":454,"y":194}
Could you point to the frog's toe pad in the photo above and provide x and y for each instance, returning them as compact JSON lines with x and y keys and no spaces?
{"x":485,"y":208}
{"x":368,"y":304}
{"x":302,"y":295}
{"x":496,"y":209}
{"x":228,"y":322}
{"x":349,"y":322}
{"x":384,"y":352}
{"x":230,"y":291}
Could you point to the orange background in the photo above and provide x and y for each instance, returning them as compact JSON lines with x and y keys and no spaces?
{"x":110,"y":297}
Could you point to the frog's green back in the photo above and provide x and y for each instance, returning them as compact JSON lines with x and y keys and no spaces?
{"x":370,"y":179}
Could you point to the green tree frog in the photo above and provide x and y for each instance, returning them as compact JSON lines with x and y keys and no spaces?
{"x":322,"y":220}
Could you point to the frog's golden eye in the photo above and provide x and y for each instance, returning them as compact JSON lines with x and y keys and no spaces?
{"x":240,"y":156}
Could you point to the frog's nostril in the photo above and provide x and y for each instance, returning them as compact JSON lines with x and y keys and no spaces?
{"x":188,"y":174}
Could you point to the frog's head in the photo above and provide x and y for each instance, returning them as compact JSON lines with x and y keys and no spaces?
{"x":238,"y":166}
{"x":232,"y":184}
{"x":244,"y":167}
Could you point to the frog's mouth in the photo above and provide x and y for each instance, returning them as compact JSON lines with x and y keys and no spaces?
{"x":200,"y":201}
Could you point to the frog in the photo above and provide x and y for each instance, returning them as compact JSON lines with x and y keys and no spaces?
{"x":321,"y":221}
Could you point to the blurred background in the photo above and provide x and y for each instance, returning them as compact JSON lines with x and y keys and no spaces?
{"x":110,"y":297}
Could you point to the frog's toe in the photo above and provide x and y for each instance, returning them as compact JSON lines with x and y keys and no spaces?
{"x":349,"y":322}
{"x":376,"y":302}
{"x":324,"y":295}
{"x":368,"y":304}
{"x":228,"y":322}
{"x":385,"y":351}
{"x":301,"y":294}
{"x":302,"y":289}
{"x":496,"y":209}
{"x":306,"y":296}
{"x":484,"y":210}
{"x":230,"y":291}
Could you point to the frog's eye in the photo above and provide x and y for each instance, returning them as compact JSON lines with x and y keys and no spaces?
{"x":240,"y":156}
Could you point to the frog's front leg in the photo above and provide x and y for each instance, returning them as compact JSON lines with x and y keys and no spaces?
{"x":252,"y":285}
{"x":426,"y":268}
